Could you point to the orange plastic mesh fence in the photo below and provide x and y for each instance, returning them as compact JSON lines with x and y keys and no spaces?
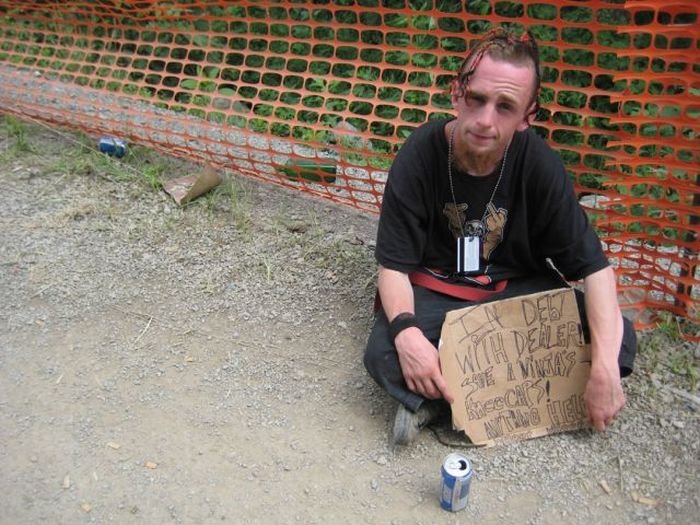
{"x":318,"y":95}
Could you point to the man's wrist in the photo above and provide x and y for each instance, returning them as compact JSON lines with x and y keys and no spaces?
{"x":402,"y":321}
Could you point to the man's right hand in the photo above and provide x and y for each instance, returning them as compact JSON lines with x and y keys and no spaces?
{"x":420,"y":365}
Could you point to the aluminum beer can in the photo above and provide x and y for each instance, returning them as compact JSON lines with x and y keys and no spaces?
{"x":113,"y":147}
{"x":456,"y":477}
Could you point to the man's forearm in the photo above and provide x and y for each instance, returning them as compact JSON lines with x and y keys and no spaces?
{"x":604,"y":396}
{"x":604,"y":317}
{"x":396,"y":292}
{"x":418,"y":358}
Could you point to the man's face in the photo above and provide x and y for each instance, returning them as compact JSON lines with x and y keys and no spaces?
{"x":495,"y":105}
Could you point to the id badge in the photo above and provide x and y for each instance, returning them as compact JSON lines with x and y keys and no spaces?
{"x":468,"y":250}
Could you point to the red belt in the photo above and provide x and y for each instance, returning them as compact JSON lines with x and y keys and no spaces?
{"x":460,"y":291}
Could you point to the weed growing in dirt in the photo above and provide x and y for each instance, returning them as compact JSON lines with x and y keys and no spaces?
{"x":152,"y":175}
{"x":267,"y":265}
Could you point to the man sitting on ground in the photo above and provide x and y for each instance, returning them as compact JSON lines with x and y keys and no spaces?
{"x":481,"y":208}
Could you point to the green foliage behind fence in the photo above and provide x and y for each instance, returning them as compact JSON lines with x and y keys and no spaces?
{"x":262,"y":84}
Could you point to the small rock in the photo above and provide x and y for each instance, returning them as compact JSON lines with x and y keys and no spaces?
{"x":381,"y":460}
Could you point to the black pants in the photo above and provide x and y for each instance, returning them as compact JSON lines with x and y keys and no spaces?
{"x":382,"y":361}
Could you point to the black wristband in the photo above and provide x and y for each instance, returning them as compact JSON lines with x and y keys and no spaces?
{"x":401,"y":322}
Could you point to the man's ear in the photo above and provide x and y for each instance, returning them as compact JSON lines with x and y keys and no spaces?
{"x":529,"y":117}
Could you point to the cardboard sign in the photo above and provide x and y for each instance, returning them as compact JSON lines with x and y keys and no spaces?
{"x":517,"y":368}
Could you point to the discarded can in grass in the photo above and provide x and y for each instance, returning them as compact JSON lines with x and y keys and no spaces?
{"x":310,"y":169}
{"x":456,"y":478}
{"x":113,"y":147}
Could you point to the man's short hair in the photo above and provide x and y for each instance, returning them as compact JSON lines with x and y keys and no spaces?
{"x":503,"y":45}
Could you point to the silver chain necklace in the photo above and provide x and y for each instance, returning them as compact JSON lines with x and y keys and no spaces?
{"x":478,"y":228}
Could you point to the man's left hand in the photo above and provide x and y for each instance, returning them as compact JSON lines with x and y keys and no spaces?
{"x":603,"y":396}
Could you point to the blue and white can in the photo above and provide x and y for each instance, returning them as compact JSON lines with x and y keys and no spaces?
{"x":456,"y":478}
{"x":113,"y":147}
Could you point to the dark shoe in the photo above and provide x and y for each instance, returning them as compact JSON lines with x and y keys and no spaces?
{"x":407,"y":424}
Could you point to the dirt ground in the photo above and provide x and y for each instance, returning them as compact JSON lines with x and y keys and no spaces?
{"x":203,"y":364}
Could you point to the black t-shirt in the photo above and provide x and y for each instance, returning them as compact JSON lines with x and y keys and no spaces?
{"x":534,"y":214}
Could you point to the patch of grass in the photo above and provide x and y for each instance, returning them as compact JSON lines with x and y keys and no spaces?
{"x":18,"y":132}
{"x":683,"y":363}
{"x":87,"y":162}
{"x":669,"y":326}
{"x":105,"y":166}
{"x":669,"y":354}
{"x":232,"y":195}
{"x":152,"y":175}
{"x":240,"y":204}
{"x":70,"y":154}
